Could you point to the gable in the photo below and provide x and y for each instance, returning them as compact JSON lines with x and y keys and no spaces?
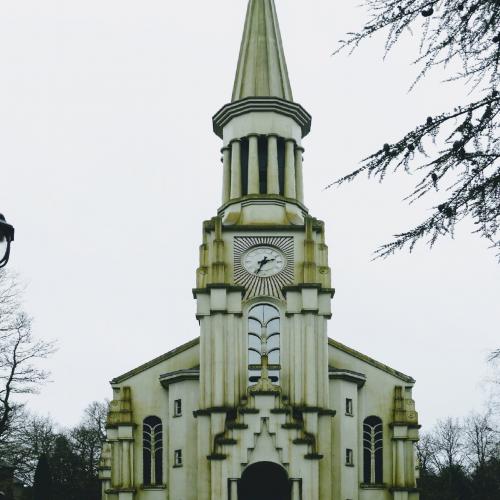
{"x":335,"y":345}
{"x":160,"y":359}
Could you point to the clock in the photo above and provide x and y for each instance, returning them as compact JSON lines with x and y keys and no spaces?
{"x":263,"y":264}
{"x":264,"y":261}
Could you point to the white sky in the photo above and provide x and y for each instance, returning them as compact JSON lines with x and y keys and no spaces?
{"x":108,"y":165}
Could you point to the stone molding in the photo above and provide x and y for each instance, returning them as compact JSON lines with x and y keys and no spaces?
{"x":260,"y":104}
{"x":179,"y":376}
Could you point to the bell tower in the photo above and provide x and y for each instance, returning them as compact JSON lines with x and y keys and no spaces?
{"x":263,"y":285}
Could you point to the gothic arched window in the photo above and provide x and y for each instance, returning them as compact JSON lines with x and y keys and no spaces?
{"x":263,"y":338}
{"x":152,"y":449}
{"x":372,"y":450}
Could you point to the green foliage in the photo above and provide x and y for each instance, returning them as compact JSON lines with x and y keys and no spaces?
{"x":456,"y":154}
{"x":42,"y":486}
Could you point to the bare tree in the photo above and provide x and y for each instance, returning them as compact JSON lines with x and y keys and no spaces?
{"x":95,"y":418}
{"x":481,"y":439}
{"x":454,"y":156}
{"x":448,"y":444}
{"x":19,"y":352}
{"x":426,"y":453}
{"x":30,"y":436}
{"x":88,"y":437}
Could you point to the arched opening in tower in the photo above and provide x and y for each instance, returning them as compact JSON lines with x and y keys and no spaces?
{"x":264,"y":481}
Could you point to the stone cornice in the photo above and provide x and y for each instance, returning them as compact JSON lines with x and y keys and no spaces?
{"x":263,"y":198}
{"x":217,"y":286}
{"x":317,"y":286}
{"x":347,"y":375}
{"x":179,"y":376}
{"x":261,"y":104}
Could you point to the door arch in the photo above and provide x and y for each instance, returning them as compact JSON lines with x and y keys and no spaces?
{"x":264,"y":481}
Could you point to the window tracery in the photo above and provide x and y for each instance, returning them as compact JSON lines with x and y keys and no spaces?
{"x":373,"y":450}
{"x":263,"y":339}
{"x":152,"y":449}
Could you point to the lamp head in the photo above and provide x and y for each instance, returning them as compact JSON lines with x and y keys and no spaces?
{"x":6,"y":238}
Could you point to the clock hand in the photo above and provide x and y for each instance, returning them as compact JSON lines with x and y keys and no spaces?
{"x":262,"y":263}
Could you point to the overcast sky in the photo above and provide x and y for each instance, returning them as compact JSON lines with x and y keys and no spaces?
{"x":109,"y":166}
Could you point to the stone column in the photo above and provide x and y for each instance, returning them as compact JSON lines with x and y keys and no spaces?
{"x":253,"y":165}
{"x":235,"y":169}
{"x":400,"y":463}
{"x":116,"y":476}
{"x":299,"y":180}
{"x":296,"y":490}
{"x":226,"y":174}
{"x":126,"y":472}
{"x":273,"y":182}
{"x":233,"y":493}
{"x":290,"y":190}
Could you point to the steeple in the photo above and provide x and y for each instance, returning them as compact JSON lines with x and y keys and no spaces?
{"x":262,"y":127}
{"x":262,"y":70}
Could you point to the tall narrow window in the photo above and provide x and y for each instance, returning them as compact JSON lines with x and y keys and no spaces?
{"x":263,"y":163}
{"x":178,"y":408}
{"x":263,"y":338}
{"x":178,"y":458}
{"x":372,"y":450}
{"x":349,"y":456}
{"x":244,"y":165}
{"x":281,"y":164}
{"x":348,"y":407}
{"x":152,"y":449}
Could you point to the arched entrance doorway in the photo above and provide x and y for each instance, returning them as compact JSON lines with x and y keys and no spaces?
{"x":264,"y":481}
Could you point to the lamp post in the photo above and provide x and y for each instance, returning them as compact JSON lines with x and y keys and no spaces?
{"x":6,"y":238}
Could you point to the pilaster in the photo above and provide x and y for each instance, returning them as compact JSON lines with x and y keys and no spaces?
{"x":118,"y":470}
{"x":222,"y":351}
{"x":404,"y":437}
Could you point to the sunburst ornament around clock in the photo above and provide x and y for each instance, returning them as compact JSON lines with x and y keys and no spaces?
{"x":263,"y":264}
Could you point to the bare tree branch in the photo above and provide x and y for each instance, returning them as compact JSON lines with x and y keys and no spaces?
{"x":19,"y":352}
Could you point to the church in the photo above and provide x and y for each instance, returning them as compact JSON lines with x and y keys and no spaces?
{"x":263,"y":405}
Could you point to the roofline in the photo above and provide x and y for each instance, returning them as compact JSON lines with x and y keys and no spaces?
{"x":156,"y":361}
{"x":331,"y":342}
{"x":371,"y":361}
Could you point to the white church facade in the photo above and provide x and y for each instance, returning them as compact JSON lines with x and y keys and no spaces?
{"x":263,"y":405}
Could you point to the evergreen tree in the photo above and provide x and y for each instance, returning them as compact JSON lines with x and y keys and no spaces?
{"x":486,"y":481}
{"x":67,"y":471}
{"x":42,"y":487}
{"x":454,"y":156}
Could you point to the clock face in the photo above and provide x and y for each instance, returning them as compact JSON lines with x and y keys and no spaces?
{"x":264,"y":261}
{"x":263,"y":265}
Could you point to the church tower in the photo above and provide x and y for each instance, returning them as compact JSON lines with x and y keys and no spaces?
{"x":263,"y":405}
{"x":263,"y":285}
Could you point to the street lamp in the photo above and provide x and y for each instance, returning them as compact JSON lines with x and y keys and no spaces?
{"x":6,"y":238}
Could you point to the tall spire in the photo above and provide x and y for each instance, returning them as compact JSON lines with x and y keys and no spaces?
{"x":262,"y":70}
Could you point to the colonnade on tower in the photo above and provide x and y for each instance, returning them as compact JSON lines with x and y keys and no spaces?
{"x":262,"y":164}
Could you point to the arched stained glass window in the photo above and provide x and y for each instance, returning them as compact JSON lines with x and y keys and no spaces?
{"x":152,"y":449}
{"x":263,"y":338}
{"x":373,"y":450}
